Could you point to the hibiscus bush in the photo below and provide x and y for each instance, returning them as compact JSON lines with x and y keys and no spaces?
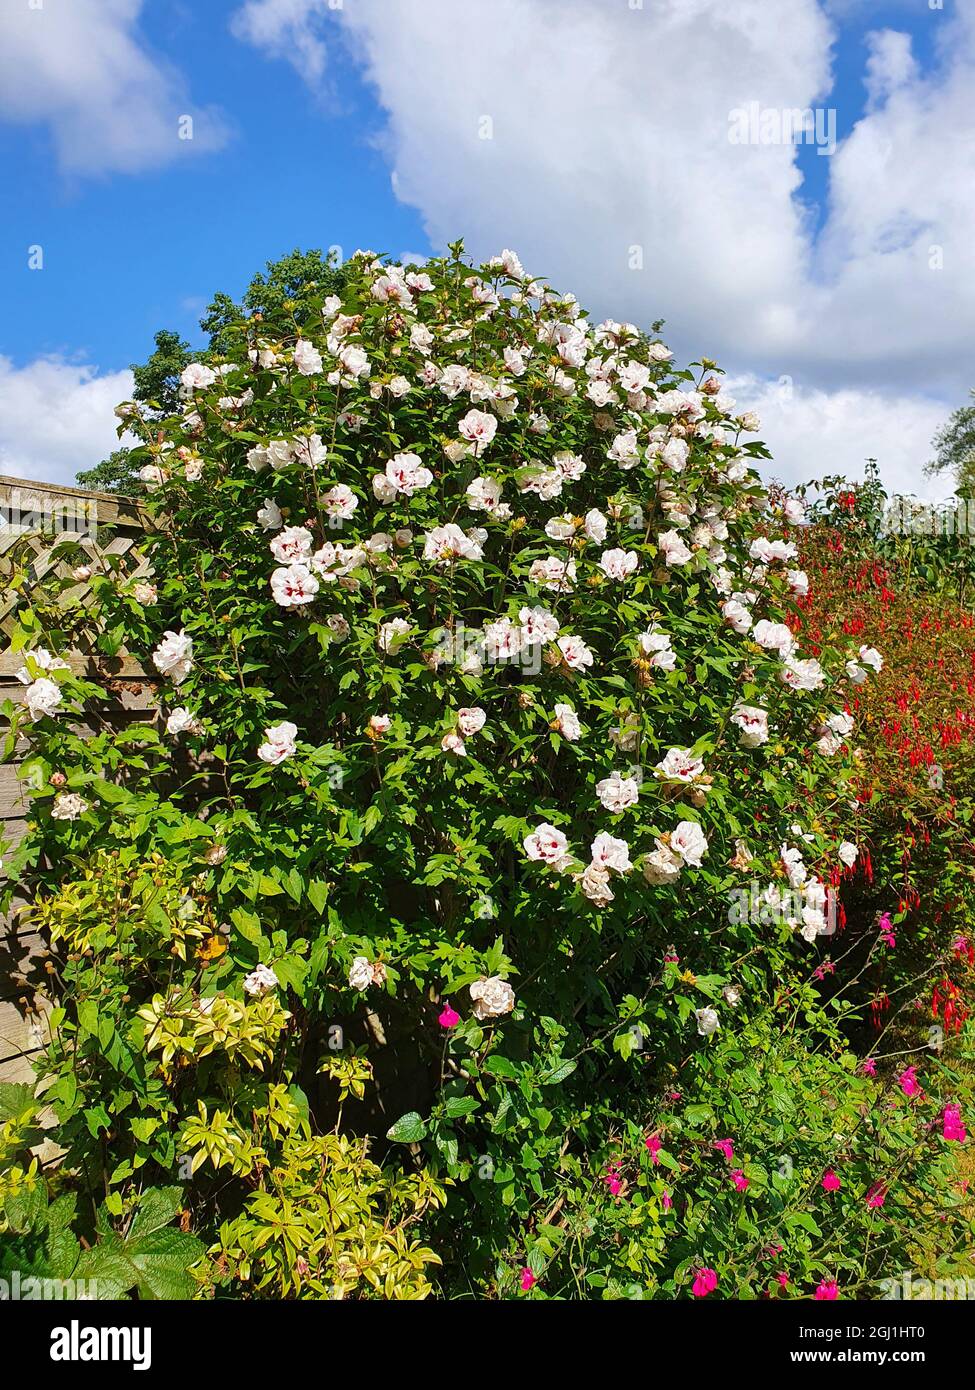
{"x":481,"y":868}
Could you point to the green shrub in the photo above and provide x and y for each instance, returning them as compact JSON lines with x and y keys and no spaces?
{"x":494,"y":803}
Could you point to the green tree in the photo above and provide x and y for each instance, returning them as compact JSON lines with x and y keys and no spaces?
{"x":280,"y":295}
{"x":113,"y":474}
{"x":954,"y":446}
{"x":157,"y":380}
{"x":157,"y":388}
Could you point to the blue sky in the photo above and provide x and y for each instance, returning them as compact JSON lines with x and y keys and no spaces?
{"x":847,"y":95}
{"x":127,"y":254}
{"x":353,"y":123}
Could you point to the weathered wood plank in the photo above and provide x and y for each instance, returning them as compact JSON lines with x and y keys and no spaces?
{"x":19,"y":1034}
{"x":17,"y":926}
{"x":18,"y":1069}
{"x":23,"y":1029}
{"x":110,"y":506}
{"x":126,"y":669}
{"x":13,"y":803}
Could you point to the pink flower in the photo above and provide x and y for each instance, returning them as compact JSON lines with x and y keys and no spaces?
{"x":783,"y":1279}
{"x":705,"y":1282}
{"x":951,"y":1122}
{"x":868,"y":1067}
{"x":908,"y":1082}
{"x":653,"y":1148}
{"x":827,"y":1290}
{"x":666,"y":1201}
{"x":612,"y":1179}
{"x":739,"y":1180}
{"x":528,"y":1280}
{"x":831,"y":1181}
{"x":449,"y":1018}
{"x":726,"y":1147}
{"x":876,"y":1195}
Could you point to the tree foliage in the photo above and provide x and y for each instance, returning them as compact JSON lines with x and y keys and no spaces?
{"x":279,"y":295}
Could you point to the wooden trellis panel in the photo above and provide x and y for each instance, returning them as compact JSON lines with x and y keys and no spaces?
{"x":36,"y":520}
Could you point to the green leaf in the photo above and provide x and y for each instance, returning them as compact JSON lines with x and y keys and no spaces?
{"x":157,"y":1208}
{"x":96,"y":1118}
{"x":408,"y":1129}
{"x":698,"y":1115}
{"x":16,"y":1100}
{"x":154,"y":1258}
{"x":248,"y":924}
{"x":293,"y":884}
{"x":88,"y":1017}
{"x":109,"y":792}
{"x":502,"y":1067}
{"x":461,"y":1105}
{"x":558,"y":1073}
{"x":25,"y":1207}
{"x":318,"y":895}
{"x":318,"y":957}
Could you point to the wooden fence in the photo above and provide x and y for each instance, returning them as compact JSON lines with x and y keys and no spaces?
{"x":35,"y":520}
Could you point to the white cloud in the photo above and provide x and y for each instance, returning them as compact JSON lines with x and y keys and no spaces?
{"x":81,"y":68}
{"x":890,"y":64}
{"x":56,"y":417}
{"x":813,"y":433}
{"x":897,"y":255}
{"x":289,"y":29}
{"x":609,"y":129}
